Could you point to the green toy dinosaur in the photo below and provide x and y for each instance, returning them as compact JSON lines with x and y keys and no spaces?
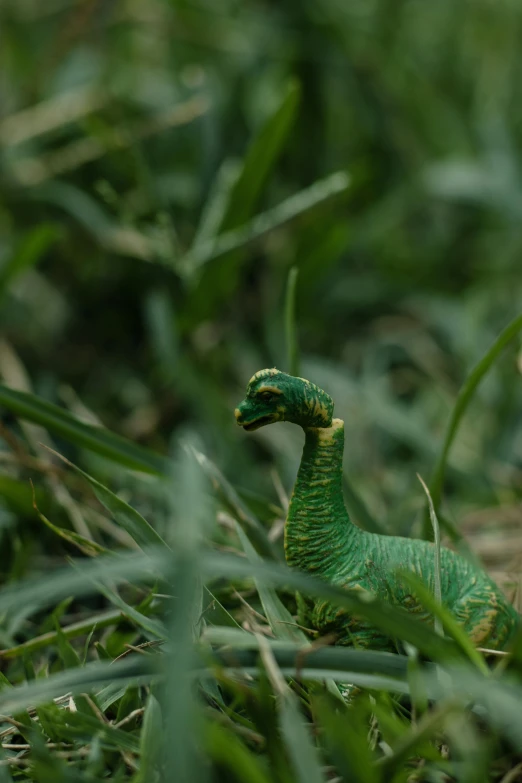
{"x":321,"y":539}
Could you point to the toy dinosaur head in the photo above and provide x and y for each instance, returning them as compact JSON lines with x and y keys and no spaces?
{"x":275,"y":396}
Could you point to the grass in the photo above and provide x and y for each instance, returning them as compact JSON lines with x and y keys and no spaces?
{"x":191,"y":192}
{"x":199,"y":653}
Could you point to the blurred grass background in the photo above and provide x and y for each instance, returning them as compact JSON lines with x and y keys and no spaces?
{"x":135,"y":134}
{"x":163,"y":167}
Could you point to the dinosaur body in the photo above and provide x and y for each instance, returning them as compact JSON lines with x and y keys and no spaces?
{"x":321,"y":539}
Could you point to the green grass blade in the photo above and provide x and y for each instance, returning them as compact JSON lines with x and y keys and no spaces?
{"x":34,"y":245}
{"x":102,"y":620}
{"x":228,"y":751}
{"x":427,"y":729}
{"x":214,"y":613}
{"x":446,"y":619}
{"x":376,"y":682}
{"x":85,"y":545}
{"x":237,"y":637}
{"x":146,"y":566}
{"x":280,"y":619}
{"x":79,"y":724}
{"x":163,"y":331}
{"x":299,"y":204}
{"x":153,"y":628}
{"x":500,"y":700}
{"x":301,"y":750}
{"x":127,"y":517}
{"x":133,"y":668}
{"x":189,"y":507}
{"x":348,"y":741}
{"x":391,"y":619}
{"x":77,"y":581}
{"x":96,"y":439}
{"x":464,"y":398}
{"x":5,"y":775}
{"x":296,"y":657}
{"x":292,"y":349}
{"x":436,"y":535}
{"x":234,"y":503}
{"x":19,"y":496}
{"x":150,"y":740}
{"x":68,"y":654}
{"x":216,"y":206}
{"x":260,"y":159}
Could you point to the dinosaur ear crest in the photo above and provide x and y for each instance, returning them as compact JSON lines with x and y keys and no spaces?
{"x":263,"y":375}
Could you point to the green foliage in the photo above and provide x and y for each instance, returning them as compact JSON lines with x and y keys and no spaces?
{"x":190,"y":192}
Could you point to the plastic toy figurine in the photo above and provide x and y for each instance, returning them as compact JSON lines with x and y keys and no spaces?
{"x":321,"y":539}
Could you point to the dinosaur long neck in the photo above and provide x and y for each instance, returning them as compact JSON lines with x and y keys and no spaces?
{"x":318,"y":532}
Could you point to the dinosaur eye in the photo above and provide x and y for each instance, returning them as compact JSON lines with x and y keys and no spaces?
{"x":266,"y":395}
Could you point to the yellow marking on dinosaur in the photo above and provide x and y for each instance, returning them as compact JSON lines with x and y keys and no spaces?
{"x":317,"y":408}
{"x":273,"y":389}
{"x":481,"y":631}
{"x":326,"y":434}
{"x":263,"y":374}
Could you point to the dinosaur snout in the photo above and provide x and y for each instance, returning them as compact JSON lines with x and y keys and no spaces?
{"x":238,"y":413}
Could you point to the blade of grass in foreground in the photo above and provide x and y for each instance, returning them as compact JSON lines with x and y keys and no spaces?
{"x":446,"y":619}
{"x":133,"y":668}
{"x":280,"y":619}
{"x":393,"y":620}
{"x":463,"y":400}
{"x":365,"y":668}
{"x":228,"y":751}
{"x":427,"y":729}
{"x":500,"y":699}
{"x":97,"y":439}
{"x":77,"y":581}
{"x":142,"y":533}
{"x":147,"y":566}
{"x":294,"y":657}
{"x":301,"y":750}
{"x":348,"y":741}
{"x":182,"y":757}
{"x":150,"y":740}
